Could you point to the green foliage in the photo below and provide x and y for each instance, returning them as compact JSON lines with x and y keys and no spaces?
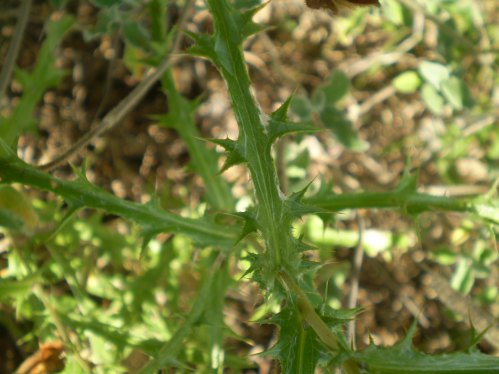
{"x":403,"y":359}
{"x":204,"y":161}
{"x":407,"y":82}
{"x":16,"y":211}
{"x":43,"y":76}
{"x":323,"y":102}
{"x":298,"y":348}
{"x":112,"y":287}
{"x":81,"y":193}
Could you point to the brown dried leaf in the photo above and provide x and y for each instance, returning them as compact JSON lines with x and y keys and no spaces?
{"x":46,"y":360}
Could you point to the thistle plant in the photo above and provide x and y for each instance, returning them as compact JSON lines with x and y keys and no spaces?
{"x":311,"y":333}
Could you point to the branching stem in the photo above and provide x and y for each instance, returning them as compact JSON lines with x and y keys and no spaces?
{"x":309,"y":315}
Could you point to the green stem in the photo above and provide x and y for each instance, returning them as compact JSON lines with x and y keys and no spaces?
{"x":203,"y":160}
{"x":84,"y":194}
{"x":254,"y":142}
{"x":412,"y":203}
{"x":309,"y":314}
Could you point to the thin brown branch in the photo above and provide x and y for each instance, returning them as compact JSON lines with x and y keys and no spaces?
{"x":13,"y":52}
{"x":116,"y":115}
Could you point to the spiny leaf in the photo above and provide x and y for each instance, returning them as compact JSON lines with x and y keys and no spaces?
{"x":250,"y":224}
{"x":403,"y":359}
{"x":298,"y":196}
{"x":16,"y":288}
{"x":239,"y":25}
{"x":475,"y":337}
{"x":409,"y":181}
{"x":338,"y":317}
{"x":298,"y":348}
{"x":281,"y":113}
{"x":204,"y":46}
{"x":43,"y":76}
{"x":233,"y":158}
{"x":248,"y":27}
{"x":227,"y":144}
{"x":203,"y":160}
{"x":255,"y":264}
{"x":277,"y":129}
{"x":301,"y":246}
{"x":81,"y":193}
{"x":233,"y":150}
{"x":297,"y":208}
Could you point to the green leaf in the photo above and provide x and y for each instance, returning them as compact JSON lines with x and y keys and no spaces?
{"x":403,"y":359}
{"x":297,"y":208}
{"x":203,"y":160}
{"x":244,"y":4}
{"x":170,"y":349}
{"x":214,"y":315}
{"x":397,"y":13}
{"x":444,"y":256}
{"x":434,"y":73}
{"x":432,"y":99}
{"x":58,"y":3}
{"x":233,"y":150}
{"x":463,"y":278}
{"x":137,"y":35}
{"x":16,"y":288}
{"x":407,"y":361}
{"x":276,"y":129}
{"x":455,"y":91}
{"x":108,"y":20}
{"x":106,"y":3}
{"x":300,"y":105}
{"x":336,"y":88}
{"x":16,"y":206}
{"x":298,"y":348}
{"x":281,"y":113}
{"x":336,"y":121}
{"x":204,"y":46}
{"x":248,"y":26}
{"x":43,"y":76}
{"x":250,"y":224}
{"x":407,"y":82}
{"x":409,"y":182}
{"x":150,"y":217}
{"x":488,"y":211}
{"x":9,"y":220}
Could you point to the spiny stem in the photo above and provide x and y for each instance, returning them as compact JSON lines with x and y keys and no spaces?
{"x":309,"y":315}
{"x":273,"y":221}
